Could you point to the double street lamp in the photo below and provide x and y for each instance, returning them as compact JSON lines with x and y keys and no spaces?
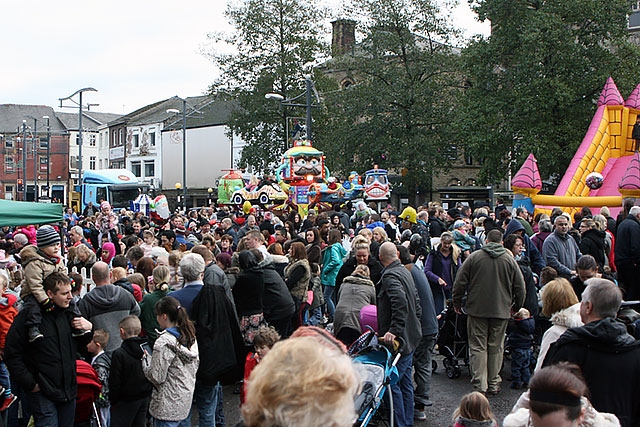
{"x":35,"y":155}
{"x":309,"y":90}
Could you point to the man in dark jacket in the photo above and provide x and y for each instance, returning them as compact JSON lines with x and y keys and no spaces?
{"x":492,"y":282}
{"x":46,"y":368}
{"x":277,"y":301}
{"x":399,"y":314}
{"x":608,"y":356}
{"x":627,"y":254}
{"x":429,"y":325}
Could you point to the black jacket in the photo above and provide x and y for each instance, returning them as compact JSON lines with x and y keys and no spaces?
{"x":610,"y":361}
{"x":277,"y":300}
{"x":627,"y":249}
{"x":220,"y":342}
{"x":399,"y":309}
{"x":50,"y":361}
{"x":592,"y":243}
{"x":126,"y":379}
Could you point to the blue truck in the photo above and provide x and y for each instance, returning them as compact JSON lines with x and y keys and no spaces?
{"x":117,"y":186}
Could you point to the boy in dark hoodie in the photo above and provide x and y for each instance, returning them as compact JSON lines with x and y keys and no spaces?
{"x":520,"y":341}
{"x":129,"y":389}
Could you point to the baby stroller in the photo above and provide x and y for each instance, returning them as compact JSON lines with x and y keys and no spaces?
{"x":377,"y":367}
{"x":89,"y":388}
{"x":452,"y":342}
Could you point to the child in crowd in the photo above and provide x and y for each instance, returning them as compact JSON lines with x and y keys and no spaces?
{"x":474,"y":411}
{"x":465,"y":242}
{"x":547,"y":274}
{"x":101,"y":362}
{"x":314,"y":313}
{"x":129,"y":389}
{"x":149,"y":242}
{"x":263,"y":341}
{"x":520,"y":342}
{"x":8,"y":312}
{"x":173,"y":365}
{"x":38,"y":263}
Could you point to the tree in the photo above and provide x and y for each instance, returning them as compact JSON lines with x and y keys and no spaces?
{"x":275,"y":42}
{"x":532,"y":84}
{"x":397,"y":111}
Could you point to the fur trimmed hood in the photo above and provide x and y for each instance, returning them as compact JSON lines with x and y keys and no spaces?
{"x":569,"y":317}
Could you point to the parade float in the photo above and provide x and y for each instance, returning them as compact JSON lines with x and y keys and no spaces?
{"x":605,"y":168}
{"x":376,"y":185}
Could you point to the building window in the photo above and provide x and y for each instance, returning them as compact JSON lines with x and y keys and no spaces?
{"x":92,"y":140}
{"x":8,"y":192}
{"x":121,"y":137}
{"x":152,"y":139}
{"x":92,"y":162}
{"x":44,"y":143}
{"x":136,"y":169}
{"x":101,"y":140}
{"x":44,"y":163}
{"x":114,"y":139}
{"x":468,"y":160}
{"x":9,"y":165}
{"x":8,"y":143}
{"x":136,"y":140}
{"x":149,"y":169}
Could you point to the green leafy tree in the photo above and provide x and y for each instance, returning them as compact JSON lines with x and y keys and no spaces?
{"x":396,"y":112}
{"x":275,"y":42}
{"x":532,"y":84}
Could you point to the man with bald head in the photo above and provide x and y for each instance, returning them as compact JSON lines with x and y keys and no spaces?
{"x":107,"y":304}
{"x":398,"y":317}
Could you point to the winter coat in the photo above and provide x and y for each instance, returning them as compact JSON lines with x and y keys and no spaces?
{"x":521,"y":333}
{"x":102,"y":365}
{"x":492,"y":282}
{"x":530,"y":250}
{"x":561,"y":253}
{"x":49,"y":362}
{"x":428,"y":321}
{"x":520,"y":415}
{"x":297,"y":275}
{"x":349,"y":266}
{"x":248,"y":292}
{"x":463,"y":241}
{"x":539,"y":238}
{"x":399,"y":309}
{"x":280,"y":262}
{"x":172,"y":370}
{"x":214,"y":275}
{"x":277,"y":300}
{"x":627,"y":248}
{"x":8,"y":312}
{"x":148,"y":313}
{"x":331,"y":263}
{"x":105,"y":306}
{"x":593,"y":243}
{"x":356,"y":292}
{"x":37,"y":266}
{"x":126,"y":379}
{"x":610,"y":362}
{"x":561,"y":320}
{"x":217,"y":328}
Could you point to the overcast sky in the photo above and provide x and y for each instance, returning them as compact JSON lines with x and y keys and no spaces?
{"x":133,"y":52}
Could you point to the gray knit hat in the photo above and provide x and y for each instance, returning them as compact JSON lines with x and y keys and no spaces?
{"x":47,"y":236}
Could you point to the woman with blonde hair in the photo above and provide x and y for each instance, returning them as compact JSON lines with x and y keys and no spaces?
{"x":441,"y":268}
{"x":302,"y":383}
{"x":560,"y":303}
{"x":379,"y":235}
{"x":158,"y":288}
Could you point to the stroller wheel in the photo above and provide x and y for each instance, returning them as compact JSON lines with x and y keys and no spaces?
{"x":451,"y":372}
{"x":434,"y":365}
{"x":446,"y":363}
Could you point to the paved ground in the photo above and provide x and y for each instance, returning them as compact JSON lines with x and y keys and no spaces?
{"x":446,"y":394}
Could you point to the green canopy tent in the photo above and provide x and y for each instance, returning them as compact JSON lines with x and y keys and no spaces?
{"x":24,"y":213}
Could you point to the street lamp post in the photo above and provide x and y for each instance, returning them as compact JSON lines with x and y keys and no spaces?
{"x":309,"y":88}
{"x":48,"y":153}
{"x":178,"y":187}
{"x":184,"y":150}
{"x":79,"y":92}
{"x":35,"y":154}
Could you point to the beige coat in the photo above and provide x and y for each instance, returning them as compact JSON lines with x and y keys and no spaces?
{"x":36,"y":268}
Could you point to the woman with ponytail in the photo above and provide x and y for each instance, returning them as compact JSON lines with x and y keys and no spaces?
{"x":157,"y":288}
{"x":172,"y":366}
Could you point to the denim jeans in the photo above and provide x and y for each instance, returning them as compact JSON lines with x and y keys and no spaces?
{"x":207,"y":399}
{"x":165,"y":423}
{"x":402,"y":393}
{"x":4,"y":376}
{"x":47,"y":413}
{"x":520,"y":365}
{"x":328,"y":298}
{"x":422,"y":369}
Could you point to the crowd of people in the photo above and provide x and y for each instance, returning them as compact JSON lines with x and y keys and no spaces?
{"x":167,"y":311}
